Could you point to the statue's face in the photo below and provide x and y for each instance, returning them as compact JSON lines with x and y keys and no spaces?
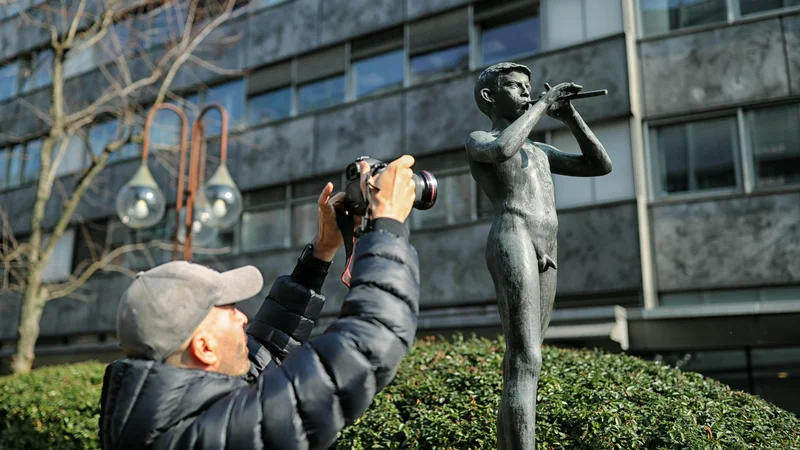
{"x":513,"y":94}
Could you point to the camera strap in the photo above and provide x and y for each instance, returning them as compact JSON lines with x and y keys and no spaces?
{"x":346,"y":224}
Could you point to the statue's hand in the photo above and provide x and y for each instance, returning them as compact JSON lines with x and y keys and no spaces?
{"x":560,"y":109}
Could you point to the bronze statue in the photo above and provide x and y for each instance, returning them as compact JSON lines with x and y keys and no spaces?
{"x":515,"y":173}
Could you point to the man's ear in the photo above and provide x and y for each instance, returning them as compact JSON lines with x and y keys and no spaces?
{"x":203,"y":348}
{"x":486,"y":95}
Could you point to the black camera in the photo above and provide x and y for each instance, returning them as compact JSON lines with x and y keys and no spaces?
{"x":426,"y":187}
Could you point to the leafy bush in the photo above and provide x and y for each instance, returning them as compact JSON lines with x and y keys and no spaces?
{"x":446,"y":395}
{"x":51,"y":408}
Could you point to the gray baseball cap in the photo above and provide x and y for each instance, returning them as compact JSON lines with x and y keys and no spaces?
{"x":164,"y":305}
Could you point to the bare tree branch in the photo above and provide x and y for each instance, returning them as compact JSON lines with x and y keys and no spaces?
{"x":74,"y":26}
{"x":214,"y":68}
{"x":67,"y":288}
{"x":190,"y":48}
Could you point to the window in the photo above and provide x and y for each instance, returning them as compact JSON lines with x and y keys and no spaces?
{"x":269,"y":93}
{"x":30,"y":170}
{"x":9,"y":74}
{"x":378,"y":73}
{"x":15,"y":167}
{"x":78,"y":62}
{"x":4,"y":158}
{"x":39,"y":71}
{"x":757,"y":6}
{"x":617,"y":185}
{"x":231,"y":96}
{"x":13,"y":7}
{"x":696,"y":156}
{"x":454,"y":202}
{"x":268,"y":106}
{"x":661,"y":16}
{"x":100,"y":135}
{"x":378,"y":63}
{"x":265,"y":222}
{"x":162,"y":232}
{"x":320,"y":79}
{"x":304,"y":207}
{"x":439,"y":46}
{"x":506,"y":33}
{"x":321,"y":94}
{"x":775,"y":143}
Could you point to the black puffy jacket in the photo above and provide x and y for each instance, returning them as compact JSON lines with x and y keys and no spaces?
{"x":301,"y":394}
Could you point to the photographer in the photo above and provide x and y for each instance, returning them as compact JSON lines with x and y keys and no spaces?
{"x":193,"y":379}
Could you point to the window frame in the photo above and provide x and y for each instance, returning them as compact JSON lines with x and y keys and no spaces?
{"x":657,"y":192}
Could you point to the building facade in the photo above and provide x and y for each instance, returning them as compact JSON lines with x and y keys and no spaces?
{"x":687,"y":253}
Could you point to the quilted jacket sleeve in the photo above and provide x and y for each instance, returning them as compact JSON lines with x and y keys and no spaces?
{"x":328,"y":382}
{"x":286,"y":318}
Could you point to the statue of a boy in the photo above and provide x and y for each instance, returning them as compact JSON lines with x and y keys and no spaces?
{"x":515,"y":173}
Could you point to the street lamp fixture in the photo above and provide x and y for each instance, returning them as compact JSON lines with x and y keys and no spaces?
{"x":206,"y":209}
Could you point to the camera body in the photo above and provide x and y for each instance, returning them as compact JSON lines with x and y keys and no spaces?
{"x":426,"y":187}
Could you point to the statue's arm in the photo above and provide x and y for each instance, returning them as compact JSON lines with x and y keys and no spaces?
{"x":483,"y":147}
{"x":593,"y":160}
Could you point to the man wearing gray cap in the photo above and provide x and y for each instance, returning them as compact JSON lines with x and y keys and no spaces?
{"x":193,"y":379}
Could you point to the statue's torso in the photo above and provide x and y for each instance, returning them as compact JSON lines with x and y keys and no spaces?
{"x":521,"y":192}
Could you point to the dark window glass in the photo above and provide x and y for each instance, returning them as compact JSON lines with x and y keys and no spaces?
{"x":440,"y":62}
{"x":453,"y":204}
{"x":321,"y":94}
{"x":231,"y":97}
{"x":30,"y":171}
{"x":757,"y":6}
{"x":510,"y":40}
{"x":15,"y":166}
{"x":4,"y":154}
{"x":272,"y":105}
{"x":661,"y":16}
{"x":775,"y":142}
{"x":264,"y":229}
{"x":378,"y":73}
{"x":9,"y":73}
{"x":697,"y":156}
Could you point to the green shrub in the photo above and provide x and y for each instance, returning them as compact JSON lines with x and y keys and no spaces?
{"x":51,"y":408}
{"x":445,"y":396}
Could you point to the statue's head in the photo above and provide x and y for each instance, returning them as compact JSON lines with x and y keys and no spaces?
{"x":504,"y":88}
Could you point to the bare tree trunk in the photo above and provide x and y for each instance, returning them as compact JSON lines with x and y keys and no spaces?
{"x":28,"y":330}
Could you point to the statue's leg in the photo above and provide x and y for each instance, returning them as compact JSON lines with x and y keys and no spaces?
{"x":511,"y":258}
{"x":547,"y":293}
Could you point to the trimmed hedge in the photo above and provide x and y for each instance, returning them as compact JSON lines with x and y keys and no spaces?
{"x":446,"y":395}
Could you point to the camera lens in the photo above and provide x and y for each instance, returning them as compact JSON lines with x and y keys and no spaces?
{"x":427,"y":189}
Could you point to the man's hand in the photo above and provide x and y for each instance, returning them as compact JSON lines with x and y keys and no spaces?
{"x":329,"y":238}
{"x":560,"y":109}
{"x":392,"y":191}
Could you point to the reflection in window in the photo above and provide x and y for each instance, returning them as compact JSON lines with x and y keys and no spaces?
{"x":4,"y":155}
{"x":33,"y":161}
{"x":775,"y":142}
{"x":266,"y":229}
{"x":757,"y":6}
{"x":9,"y":74}
{"x":440,"y":62}
{"x":231,"y":97}
{"x":321,"y":94}
{"x":510,"y":40}
{"x":40,"y":71}
{"x":378,"y":73}
{"x":697,"y":156}
{"x":452,"y":206}
{"x":272,"y":105}
{"x":661,"y":16}
{"x":15,"y":166}
{"x":75,"y":157}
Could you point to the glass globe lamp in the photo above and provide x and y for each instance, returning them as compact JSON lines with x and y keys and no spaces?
{"x":224,"y":199}
{"x":203,"y":228}
{"x":140,"y":203}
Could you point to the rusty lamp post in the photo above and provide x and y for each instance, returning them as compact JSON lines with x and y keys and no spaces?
{"x":207,"y":208}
